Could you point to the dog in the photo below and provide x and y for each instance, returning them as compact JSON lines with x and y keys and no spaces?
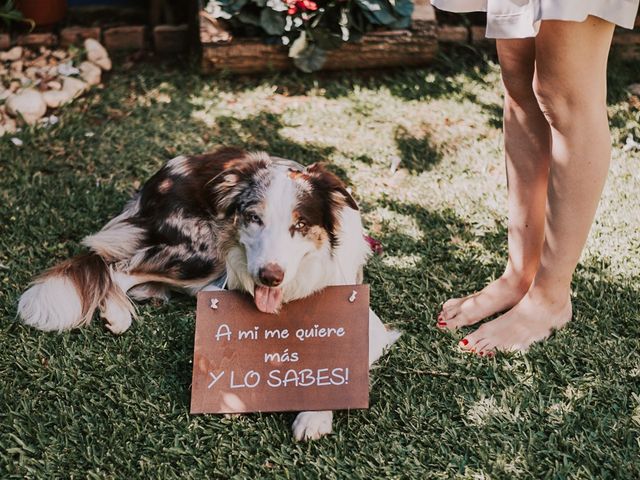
{"x":276,"y":229}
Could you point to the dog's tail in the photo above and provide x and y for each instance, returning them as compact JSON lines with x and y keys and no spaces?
{"x":67,"y":296}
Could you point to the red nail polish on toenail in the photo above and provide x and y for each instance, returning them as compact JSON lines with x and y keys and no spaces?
{"x":464,"y":342}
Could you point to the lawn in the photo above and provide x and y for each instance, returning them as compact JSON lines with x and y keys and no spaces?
{"x":87,"y":404}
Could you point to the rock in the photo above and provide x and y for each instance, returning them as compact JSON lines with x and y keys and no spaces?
{"x":14,"y":54}
{"x":59,"y":54}
{"x":40,"y":62}
{"x":52,"y":71}
{"x":4,"y":93}
{"x":17,"y":66}
{"x":634,"y":89}
{"x":90,"y":73}
{"x":31,"y":73}
{"x":67,"y":69}
{"x":7,"y":125}
{"x":28,"y":103}
{"x":54,"y":85}
{"x":97,"y":54}
{"x":55,"y":98}
{"x":73,"y":86}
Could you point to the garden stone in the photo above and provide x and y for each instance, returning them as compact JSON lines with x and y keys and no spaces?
{"x":74,"y":86}
{"x":59,"y":54}
{"x":90,"y":73}
{"x":55,"y":98}
{"x":28,"y":103}
{"x":54,"y":85}
{"x":31,"y":73}
{"x":14,"y":54}
{"x":97,"y":54}
{"x":634,"y":89}
{"x":7,"y":125}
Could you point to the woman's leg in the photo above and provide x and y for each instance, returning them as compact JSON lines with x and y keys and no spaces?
{"x":570,"y":85}
{"x":527,"y":151}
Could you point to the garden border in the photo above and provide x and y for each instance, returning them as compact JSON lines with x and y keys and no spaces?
{"x":415,"y":46}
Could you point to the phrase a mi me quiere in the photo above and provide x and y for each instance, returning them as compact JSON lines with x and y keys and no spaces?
{"x":279,"y":377}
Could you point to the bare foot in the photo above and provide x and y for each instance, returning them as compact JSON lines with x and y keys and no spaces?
{"x":498,"y":296}
{"x":531,"y":320}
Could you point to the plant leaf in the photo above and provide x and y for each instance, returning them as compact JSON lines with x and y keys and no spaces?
{"x":272,"y":22}
{"x":311,"y":58}
{"x":326,"y":39}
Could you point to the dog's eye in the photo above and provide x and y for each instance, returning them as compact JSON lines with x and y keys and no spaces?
{"x":253,"y":218}
{"x":300,"y":225}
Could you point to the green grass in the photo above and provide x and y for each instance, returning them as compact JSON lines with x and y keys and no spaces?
{"x":87,"y":404}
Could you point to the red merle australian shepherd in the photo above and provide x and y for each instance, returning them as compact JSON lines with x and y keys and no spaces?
{"x":278,"y":230}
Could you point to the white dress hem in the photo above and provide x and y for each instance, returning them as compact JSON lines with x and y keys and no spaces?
{"x":521,"y":18}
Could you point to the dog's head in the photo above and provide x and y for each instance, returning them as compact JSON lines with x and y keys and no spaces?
{"x":283,"y":215}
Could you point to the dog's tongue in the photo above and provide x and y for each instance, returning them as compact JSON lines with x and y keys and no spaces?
{"x":268,"y":299}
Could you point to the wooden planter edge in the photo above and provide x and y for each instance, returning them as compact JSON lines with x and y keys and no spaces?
{"x":413,"y":47}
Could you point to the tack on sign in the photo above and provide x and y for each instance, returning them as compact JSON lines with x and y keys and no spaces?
{"x":313,"y":355}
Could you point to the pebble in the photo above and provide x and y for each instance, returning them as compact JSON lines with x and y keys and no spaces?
{"x":54,"y":85}
{"x":67,"y":69}
{"x":97,"y":54}
{"x":17,"y":66}
{"x":90,"y":73}
{"x":11,"y":55}
{"x":55,"y":98}
{"x":7,"y":125}
{"x":28,"y":103}
{"x":59,"y":54}
{"x":634,"y":89}
{"x":74,"y":86}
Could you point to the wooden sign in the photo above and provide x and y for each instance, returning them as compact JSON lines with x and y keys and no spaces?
{"x":313,"y":355}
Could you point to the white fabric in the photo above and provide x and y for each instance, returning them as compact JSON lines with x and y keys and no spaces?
{"x":521,"y":18}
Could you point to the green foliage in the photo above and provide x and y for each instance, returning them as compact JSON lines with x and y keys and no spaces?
{"x":10,"y":14}
{"x":327,"y":24}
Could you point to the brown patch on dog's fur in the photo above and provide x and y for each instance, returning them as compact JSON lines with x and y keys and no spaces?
{"x":165,"y":185}
{"x":318,"y":235}
{"x":89,"y":273}
{"x":320,"y":206}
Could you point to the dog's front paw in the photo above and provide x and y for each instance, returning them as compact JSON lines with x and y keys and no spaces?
{"x":312,"y":425}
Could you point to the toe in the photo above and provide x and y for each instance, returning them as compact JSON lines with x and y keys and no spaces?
{"x":484,"y":347}
{"x":451,"y":303}
{"x":448,"y":314}
{"x":471,"y":341}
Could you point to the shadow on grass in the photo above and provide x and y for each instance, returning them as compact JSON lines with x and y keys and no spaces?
{"x":262,"y":131}
{"x":417,"y":153}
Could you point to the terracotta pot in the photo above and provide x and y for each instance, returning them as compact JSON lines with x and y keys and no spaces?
{"x":43,"y":12}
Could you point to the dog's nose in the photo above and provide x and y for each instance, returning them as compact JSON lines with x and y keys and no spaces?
{"x":271,"y":274}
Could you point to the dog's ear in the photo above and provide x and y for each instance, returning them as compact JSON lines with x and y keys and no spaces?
{"x":238,"y":175}
{"x":324,"y":181}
